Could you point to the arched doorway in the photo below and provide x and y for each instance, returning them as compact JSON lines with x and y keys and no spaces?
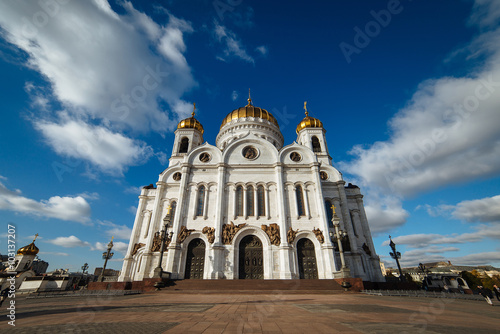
{"x":307,"y":259}
{"x":195,"y":259}
{"x":251,"y":260}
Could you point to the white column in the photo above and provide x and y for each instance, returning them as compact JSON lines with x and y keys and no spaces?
{"x":294,"y":191}
{"x":147,"y":219}
{"x":196,"y":199}
{"x":217,"y":247}
{"x":245,"y":213}
{"x":255,"y":203}
{"x":235,"y":204}
{"x":205,"y":203}
{"x":266,"y":197}
{"x":286,"y":253}
{"x":306,"y":202}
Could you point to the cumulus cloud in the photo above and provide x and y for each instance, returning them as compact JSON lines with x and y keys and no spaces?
{"x":385,"y":213}
{"x":65,"y":208}
{"x":477,"y":259}
{"x":111,"y":152}
{"x":479,"y":210}
{"x":232,"y":45}
{"x":263,"y":50}
{"x":448,"y":132}
{"x":69,"y":242}
{"x":115,"y":230}
{"x":234,"y":95}
{"x":117,"y":71}
{"x":117,"y":246}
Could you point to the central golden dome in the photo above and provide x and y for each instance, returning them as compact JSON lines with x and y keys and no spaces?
{"x":249,"y":111}
{"x":30,"y":249}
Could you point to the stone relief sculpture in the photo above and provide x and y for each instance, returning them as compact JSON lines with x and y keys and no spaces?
{"x":210,"y":232}
{"x":319,"y":235}
{"x":228,"y":232}
{"x":183,"y":234}
{"x":136,"y":248}
{"x":290,"y":235}
{"x":273,"y":231}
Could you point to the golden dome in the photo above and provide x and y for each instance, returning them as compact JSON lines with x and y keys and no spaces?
{"x":308,"y":121}
{"x":249,"y":111}
{"x":191,"y":123}
{"x":30,"y":249}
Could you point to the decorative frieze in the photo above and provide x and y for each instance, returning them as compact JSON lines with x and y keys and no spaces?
{"x":183,"y":234}
{"x":273,"y":231}
{"x":136,"y":248}
{"x":319,"y":235}
{"x":228,"y":232}
{"x":291,"y":235}
{"x":210,"y":232}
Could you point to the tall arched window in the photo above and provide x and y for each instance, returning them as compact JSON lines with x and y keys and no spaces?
{"x":250,"y":201}
{"x":300,"y":201}
{"x":329,"y":212}
{"x":239,"y":201}
{"x":261,"y":201}
{"x":173,"y":205}
{"x":201,"y":201}
{"x":183,"y":148}
{"x":315,"y":144}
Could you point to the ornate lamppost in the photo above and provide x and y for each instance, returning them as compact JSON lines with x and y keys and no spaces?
{"x":106,"y":256}
{"x":159,"y":270}
{"x":396,"y":256}
{"x":338,"y":237}
{"x":85,"y":267}
{"x":424,"y":272}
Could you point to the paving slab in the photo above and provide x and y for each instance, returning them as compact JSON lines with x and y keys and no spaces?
{"x":162,"y":312}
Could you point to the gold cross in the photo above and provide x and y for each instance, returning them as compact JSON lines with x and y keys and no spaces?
{"x":333,"y":209}
{"x":305,"y":108}
{"x":112,"y":238}
{"x":194,"y":108}
{"x":36,"y":235}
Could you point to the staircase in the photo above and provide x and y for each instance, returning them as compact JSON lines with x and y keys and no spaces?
{"x":303,"y":286}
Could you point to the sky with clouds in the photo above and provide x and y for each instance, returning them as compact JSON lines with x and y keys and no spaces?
{"x":408,"y":91}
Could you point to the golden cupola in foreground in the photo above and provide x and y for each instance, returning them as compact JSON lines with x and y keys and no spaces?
{"x":308,"y":121}
{"x":191,"y":123}
{"x":30,"y":249}
{"x":249,"y":111}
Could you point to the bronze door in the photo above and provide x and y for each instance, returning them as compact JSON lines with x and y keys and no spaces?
{"x":307,"y":259}
{"x":195,"y":259}
{"x":251,"y":260}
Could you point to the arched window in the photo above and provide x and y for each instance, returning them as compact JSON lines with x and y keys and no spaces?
{"x":183,"y":148}
{"x":239,"y":201}
{"x":329,"y":212}
{"x":316,"y":145}
{"x":173,"y":205}
{"x":250,"y":201}
{"x":201,"y":201}
{"x":261,"y":201}
{"x":300,"y":201}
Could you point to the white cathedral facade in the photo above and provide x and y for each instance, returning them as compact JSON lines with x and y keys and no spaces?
{"x":249,"y":207}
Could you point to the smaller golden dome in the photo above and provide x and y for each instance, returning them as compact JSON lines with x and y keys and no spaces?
{"x":30,"y":249}
{"x":191,"y":123}
{"x":308,"y":121}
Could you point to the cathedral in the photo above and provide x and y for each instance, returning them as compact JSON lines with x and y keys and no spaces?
{"x":250,"y":208}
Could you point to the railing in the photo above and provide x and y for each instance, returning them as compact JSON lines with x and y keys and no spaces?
{"x":422,"y":293}
{"x":80,"y":293}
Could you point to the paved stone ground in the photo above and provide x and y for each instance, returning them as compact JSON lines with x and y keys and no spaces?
{"x":249,"y":313}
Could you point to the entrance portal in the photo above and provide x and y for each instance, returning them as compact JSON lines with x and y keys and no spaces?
{"x":251,"y":263}
{"x":195,"y":261}
{"x":307,"y":259}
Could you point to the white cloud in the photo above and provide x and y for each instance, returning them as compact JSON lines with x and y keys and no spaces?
{"x":234,"y":95}
{"x":118,"y":70}
{"x":69,"y":242}
{"x":233,"y":47}
{"x":65,"y":208}
{"x":385,"y":213}
{"x":447,"y":133}
{"x":117,"y":246}
{"x":479,"y":210}
{"x":486,"y":258}
{"x":262,"y":49}
{"x":53,"y":253}
{"x":132,"y":210}
{"x":111,"y":152}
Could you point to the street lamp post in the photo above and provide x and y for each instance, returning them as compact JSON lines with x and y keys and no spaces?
{"x":106,"y":256}
{"x":396,"y":256}
{"x":339,"y":236}
{"x":159,"y":270}
{"x":85,"y":267}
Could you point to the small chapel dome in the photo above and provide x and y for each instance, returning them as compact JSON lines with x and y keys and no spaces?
{"x":190,"y":123}
{"x":308,"y":121}
{"x":30,"y":249}
{"x":249,"y":111}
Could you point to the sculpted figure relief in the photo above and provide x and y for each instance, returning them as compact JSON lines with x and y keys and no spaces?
{"x":273,"y":231}
{"x":210,"y":232}
{"x":183,"y":234}
{"x":319,"y":235}
{"x":228,"y":232}
{"x":155,"y":247}
{"x":291,"y":234}
{"x":136,"y":248}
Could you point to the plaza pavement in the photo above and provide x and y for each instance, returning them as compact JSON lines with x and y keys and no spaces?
{"x":164,"y":312}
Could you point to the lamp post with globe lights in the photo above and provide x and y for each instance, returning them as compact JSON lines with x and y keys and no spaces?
{"x":396,"y":256}
{"x":338,"y":236}
{"x":106,"y":256}
{"x":159,"y":270}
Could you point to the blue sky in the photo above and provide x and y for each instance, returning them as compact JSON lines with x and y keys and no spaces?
{"x":408,"y":91}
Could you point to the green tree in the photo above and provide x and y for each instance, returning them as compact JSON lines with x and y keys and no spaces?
{"x":472,"y":280}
